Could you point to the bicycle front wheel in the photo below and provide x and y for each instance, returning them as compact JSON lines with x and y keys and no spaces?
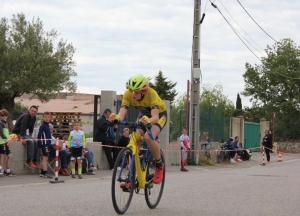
{"x":123,"y":181}
{"x":153,"y":192}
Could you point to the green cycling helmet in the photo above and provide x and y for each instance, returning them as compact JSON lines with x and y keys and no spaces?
{"x":137,"y":83}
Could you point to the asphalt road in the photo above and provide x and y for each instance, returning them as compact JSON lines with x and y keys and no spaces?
{"x":235,"y":189}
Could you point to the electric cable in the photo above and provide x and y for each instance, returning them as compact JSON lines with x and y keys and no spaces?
{"x":255,"y":21}
{"x":215,"y":6}
{"x":240,"y":26}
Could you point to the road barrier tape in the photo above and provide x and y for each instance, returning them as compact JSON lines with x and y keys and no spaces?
{"x":173,"y":150}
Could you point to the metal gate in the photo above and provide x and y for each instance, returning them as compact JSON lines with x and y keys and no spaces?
{"x":251,"y":135}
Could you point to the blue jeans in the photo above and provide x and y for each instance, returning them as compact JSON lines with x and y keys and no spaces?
{"x":33,"y":152}
{"x":64,"y":157}
{"x":89,"y":156}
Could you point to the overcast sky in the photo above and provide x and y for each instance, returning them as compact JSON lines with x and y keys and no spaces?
{"x":117,"y":39}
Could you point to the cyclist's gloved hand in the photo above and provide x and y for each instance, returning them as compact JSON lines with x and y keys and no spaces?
{"x":114,"y":117}
{"x":145,"y":120}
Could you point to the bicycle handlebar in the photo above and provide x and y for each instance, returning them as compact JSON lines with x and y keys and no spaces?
{"x":132,"y":125}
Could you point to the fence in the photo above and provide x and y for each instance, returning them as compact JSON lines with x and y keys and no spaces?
{"x":212,"y":120}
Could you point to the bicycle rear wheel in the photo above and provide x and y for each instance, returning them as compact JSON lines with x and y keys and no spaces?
{"x":153,"y":192}
{"x":121,"y":190}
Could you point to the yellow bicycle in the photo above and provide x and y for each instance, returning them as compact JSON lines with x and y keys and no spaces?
{"x":133,"y":172}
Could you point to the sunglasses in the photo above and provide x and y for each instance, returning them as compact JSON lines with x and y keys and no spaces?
{"x":135,"y":92}
{"x":4,"y":115}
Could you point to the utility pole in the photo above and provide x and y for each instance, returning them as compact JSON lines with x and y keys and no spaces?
{"x":195,"y":80}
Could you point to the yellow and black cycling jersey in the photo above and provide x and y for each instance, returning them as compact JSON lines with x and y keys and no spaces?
{"x":149,"y":101}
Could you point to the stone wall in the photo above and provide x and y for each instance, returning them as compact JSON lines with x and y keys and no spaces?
{"x":19,"y":152}
{"x":293,"y":147}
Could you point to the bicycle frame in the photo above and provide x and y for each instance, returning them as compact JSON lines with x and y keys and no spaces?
{"x":140,"y":172}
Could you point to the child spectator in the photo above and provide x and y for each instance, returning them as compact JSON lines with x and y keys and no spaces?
{"x":185,"y":146}
{"x":76,"y":142}
{"x":206,"y":140}
{"x":4,"y":144}
{"x":124,"y":139}
{"x":44,"y":143}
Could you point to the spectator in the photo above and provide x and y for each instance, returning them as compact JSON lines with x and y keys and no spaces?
{"x":89,"y":155}
{"x":44,"y":142}
{"x":76,"y":142}
{"x":268,"y":144}
{"x":4,"y":144}
{"x":235,"y":146}
{"x":185,"y":146}
{"x":24,"y":122}
{"x":102,"y":134}
{"x":124,"y":139}
{"x":206,"y":140}
{"x":231,"y":151}
{"x":64,"y":155}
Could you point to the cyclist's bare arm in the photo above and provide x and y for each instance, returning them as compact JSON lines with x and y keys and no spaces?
{"x":154,"y":117}
{"x":122,"y":113}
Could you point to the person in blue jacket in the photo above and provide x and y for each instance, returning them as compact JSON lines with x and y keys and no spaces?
{"x":102,"y":134}
{"x":44,"y":143}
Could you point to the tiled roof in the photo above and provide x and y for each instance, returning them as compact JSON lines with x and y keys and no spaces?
{"x":65,"y":102}
{"x":60,"y":105}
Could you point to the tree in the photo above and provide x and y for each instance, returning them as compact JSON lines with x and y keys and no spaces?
{"x":18,"y":110}
{"x":164,"y":88}
{"x":30,"y":63}
{"x":238,"y":104}
{"x":213,"y":96}
{"x":274,"y":86}
{"x":177,"y":115}
{"x":238,"y":107}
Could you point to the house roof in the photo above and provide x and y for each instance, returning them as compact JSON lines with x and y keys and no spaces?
{"x":64,"y":102}
{"x":60,"y":105}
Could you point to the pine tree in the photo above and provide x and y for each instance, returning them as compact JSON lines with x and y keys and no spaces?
{"x":164,"y":88}
{"x":238,"y":104}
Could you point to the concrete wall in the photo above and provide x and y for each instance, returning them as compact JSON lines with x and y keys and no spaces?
{"x":237,"y":127}
{"x":164,"y":136}
{"x":19,"y":152}
{"x":107,"y":102}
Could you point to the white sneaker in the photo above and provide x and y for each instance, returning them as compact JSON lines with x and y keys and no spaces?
{"x":232,"y":160}
{"x":119,"y":168}
{"x":239,"y":160}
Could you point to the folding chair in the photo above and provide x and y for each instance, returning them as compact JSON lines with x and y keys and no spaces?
{"x":51,"y":162}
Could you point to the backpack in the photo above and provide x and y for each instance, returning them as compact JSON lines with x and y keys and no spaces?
{"x":246,"y":154}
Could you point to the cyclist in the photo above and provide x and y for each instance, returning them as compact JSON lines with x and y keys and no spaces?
{"x":152,"y":111}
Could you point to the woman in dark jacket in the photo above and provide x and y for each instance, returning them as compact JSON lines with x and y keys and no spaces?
{"x":268,"y":144}
{"x":102,"y":134}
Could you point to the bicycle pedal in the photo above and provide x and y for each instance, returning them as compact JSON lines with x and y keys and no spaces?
{"x":125,"y":189}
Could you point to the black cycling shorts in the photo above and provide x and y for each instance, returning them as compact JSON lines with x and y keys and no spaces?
{"x":45,"y":151}
{"x":76,"y":153}
{"x":4,"y":149}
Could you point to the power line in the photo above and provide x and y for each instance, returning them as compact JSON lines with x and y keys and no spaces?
{"x":255,"y":21}
{"x":240,"y":26}
{"x":215,"y":6}
{"x":235,"y":31}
